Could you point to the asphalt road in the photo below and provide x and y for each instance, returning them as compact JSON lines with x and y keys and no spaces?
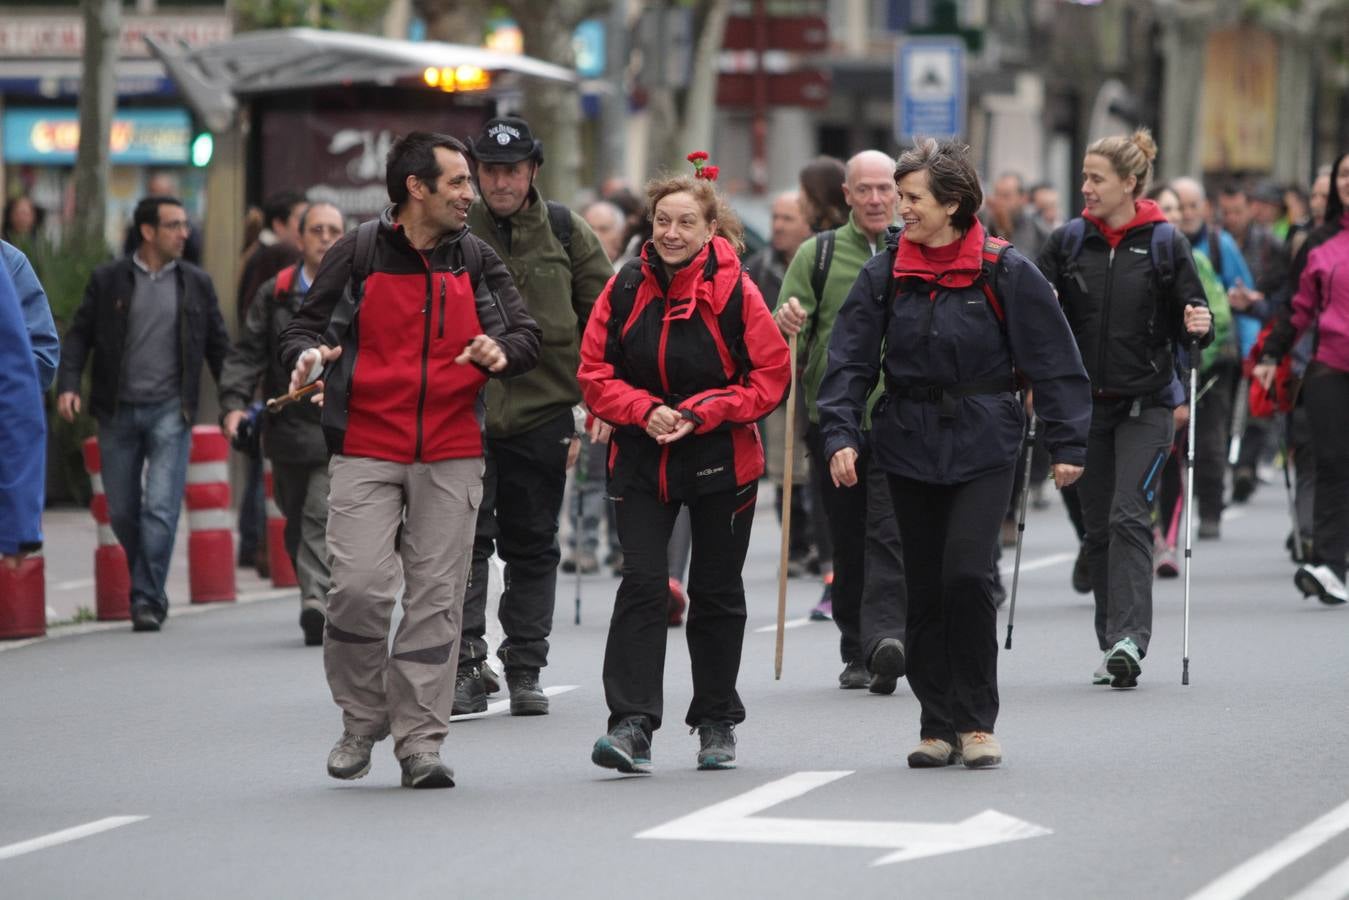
{"x":216,"y":731}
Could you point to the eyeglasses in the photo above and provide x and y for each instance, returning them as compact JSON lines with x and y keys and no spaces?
{"x":318,"y":230}
{"x":180,"y":225}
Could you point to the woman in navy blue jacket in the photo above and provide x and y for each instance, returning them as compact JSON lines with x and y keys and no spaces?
{"x":944,"y":318}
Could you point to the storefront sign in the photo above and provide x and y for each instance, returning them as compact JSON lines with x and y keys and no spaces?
{"x":63,"y":36}
{"x":139,"y":137}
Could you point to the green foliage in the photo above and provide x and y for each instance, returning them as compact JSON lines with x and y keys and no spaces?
{"x":331,"y":14}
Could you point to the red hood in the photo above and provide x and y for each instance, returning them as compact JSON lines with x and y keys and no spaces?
{"x":691,"y":284}
{"x":1146,"y":212}
{"x":913,"y":261}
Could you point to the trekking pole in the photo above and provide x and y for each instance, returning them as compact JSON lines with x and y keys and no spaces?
{"x":1020,"y":527}
{"x":788,"y":454}
{"x":1189,"y":502}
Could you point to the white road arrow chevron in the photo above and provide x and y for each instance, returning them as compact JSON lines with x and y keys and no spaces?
{"x":735,"y":821}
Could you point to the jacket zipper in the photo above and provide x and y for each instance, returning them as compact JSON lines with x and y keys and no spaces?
{"x":441,"y":332}
{"x":1104,"y":340}
{"x":501,"y":309}
{"x":426,"y":350}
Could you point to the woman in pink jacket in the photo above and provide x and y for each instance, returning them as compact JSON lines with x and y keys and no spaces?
{"x":1322,"y":300}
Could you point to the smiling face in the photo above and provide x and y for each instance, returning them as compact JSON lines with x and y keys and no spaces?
{"x":505,"y":186}
{"x":926,"y":220}
{"x":1104,"y":192}
{"x":446,"y":200}
{"x":679,"y":228}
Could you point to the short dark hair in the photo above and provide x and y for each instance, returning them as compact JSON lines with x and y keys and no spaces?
{"x":147,"y":210}
{"x":280,"y":205}
{"x":950,"y":176}
{"x":1233,"y":189}
{"x":415,"y":154}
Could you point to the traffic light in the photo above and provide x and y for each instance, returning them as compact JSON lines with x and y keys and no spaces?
{"x":201,"y":148}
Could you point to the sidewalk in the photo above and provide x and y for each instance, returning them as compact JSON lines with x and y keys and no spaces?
{"x":70,"y":538}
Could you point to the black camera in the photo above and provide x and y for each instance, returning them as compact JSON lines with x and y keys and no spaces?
{"x":248,"y":436}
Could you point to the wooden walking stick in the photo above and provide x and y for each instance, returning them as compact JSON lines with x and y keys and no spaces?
{"x":790,"y":452}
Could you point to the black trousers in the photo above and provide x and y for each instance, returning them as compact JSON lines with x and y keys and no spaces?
{"x":1326,"y":395}
{"x":1212,"y":434}
{"x":846,"y":510}
{"x":522,"y":498}
{"x":949,"y":533}
{"x":885,"y":597}
{"x":634,"y":657}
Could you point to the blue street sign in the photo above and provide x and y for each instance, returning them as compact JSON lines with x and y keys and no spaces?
{"x":929,"y":88}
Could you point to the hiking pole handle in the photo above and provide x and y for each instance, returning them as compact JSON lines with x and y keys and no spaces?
{"x":278,"y":403}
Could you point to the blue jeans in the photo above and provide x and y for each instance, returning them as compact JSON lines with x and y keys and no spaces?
{"x":145,"y":443}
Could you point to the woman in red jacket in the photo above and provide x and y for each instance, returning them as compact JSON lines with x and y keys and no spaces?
{"x":681,"y":357}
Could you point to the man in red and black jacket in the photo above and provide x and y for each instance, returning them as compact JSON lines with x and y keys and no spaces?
{"x":410,"y":316}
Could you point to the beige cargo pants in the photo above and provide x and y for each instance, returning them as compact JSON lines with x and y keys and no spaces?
{"x":407,"y":690}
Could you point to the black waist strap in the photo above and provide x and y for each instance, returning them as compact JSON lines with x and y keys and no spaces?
{"x":946,"y":394}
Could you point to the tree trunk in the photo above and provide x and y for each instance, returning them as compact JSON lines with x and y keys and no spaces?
{"x":680,"y":119}
{"x":102,"y":25}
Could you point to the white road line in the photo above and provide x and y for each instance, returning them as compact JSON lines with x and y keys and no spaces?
{"x":1334,"y":885}
{"x":1255,"y":871}
{"x":67,"y":835}
{"x":498,"y":707}
{"x":75,"y":585}
{"x":790,"y":623}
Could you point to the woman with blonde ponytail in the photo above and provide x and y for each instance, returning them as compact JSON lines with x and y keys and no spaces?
{"x":1129,"y":288}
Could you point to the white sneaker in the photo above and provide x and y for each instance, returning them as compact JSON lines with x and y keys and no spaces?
{"x":1321,"y":581}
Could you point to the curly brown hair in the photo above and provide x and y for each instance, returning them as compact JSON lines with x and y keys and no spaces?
{"x":709,"y":200}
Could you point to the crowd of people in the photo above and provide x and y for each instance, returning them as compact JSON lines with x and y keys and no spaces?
{"x":439,"y":371}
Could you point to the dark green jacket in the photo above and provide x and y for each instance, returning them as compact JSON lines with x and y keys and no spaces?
{"x":559,"y":290}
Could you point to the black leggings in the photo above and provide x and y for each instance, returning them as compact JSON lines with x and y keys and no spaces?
{"x":949,"y":533}
{"x":1326,"y":395}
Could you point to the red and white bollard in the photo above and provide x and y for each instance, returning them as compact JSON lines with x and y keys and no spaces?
{"x":278,"y":560}
{"x":23,"y":599}
{"x":112,"y":578}
{"x":210,"y":545}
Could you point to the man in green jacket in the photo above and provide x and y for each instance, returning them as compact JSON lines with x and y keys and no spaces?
{"x":871,"y":627}
{"x":559,"y":267}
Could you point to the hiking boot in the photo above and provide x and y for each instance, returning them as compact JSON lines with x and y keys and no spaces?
{"x":824,"y":610}
{"x":882,"y":684}
{"x":350,"y":757}
{"x":312,"y":622}
{"x":1210,"y":529}
{"x":627,"y":748}
{"x":980,"y":750}
{"x":1122,"y":662}
{"x":854,"y":676}
{"x":1322,"y":582}
{"x":1166,"y":566}
{"x":527,"y":698}
{"x":143,"y":618}
{"x":716,"y":745}
{"x":1081,"y":573}
{"x":490,"y":682}
{"x":675,"y":604}
{"x":1243,"y":484}
{"x":1102,"y":673}
{"x":425,"y":770}
{"x":470,"y":695}
{"x":934,"y":753}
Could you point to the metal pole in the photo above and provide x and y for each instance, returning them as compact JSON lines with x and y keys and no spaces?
{"x":1021,"y":527}
{"x":1189,"y":503}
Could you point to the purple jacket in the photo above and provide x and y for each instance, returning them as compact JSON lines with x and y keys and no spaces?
{"x":1322,"y":299}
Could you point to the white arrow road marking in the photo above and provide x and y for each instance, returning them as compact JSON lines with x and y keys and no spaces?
{"x":1257,"y":870}
{"x":1334,"y":885}
{"x":497,"y":707}
{"x":67,"y":835}
{"x":733,"y":820}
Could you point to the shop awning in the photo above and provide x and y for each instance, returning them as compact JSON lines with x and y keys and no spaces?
{"x":259,"y":62}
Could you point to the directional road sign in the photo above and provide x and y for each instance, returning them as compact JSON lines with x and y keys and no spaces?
{"x":929,"y":88}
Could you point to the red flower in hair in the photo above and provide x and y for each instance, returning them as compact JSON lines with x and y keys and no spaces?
{"x":708,"y":172}
{"x":697,"y":156}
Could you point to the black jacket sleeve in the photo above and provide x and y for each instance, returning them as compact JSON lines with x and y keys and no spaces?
{"x":1049,"y":261}
{"x":306,"y":328}
{"x":1187,"y":290}
{"x":1045,"y":351}
{"x":854,"y":358}
{"x":217,"y":335}
{"x":520,"y":335}
{"x":79,"y":336}
{"x":247,"y":361}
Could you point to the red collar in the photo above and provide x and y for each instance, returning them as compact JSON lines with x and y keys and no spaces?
{"x":916,"y":261}
{"x":707,"y":278}
{"x":1146,"y":212}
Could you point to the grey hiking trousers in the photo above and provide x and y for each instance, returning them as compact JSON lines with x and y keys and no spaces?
{"x":1126,"y":450}
{"x":407,"y":690}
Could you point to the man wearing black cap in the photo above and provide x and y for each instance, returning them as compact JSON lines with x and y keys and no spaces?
{"x":560,"y":267}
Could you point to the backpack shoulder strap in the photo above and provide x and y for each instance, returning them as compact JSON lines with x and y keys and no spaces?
{"x":559,"y":220}
{"x":1215,"y":253}
{"x":624,"y":294}
{"x":1164,"y":252}
{"x":1073,"y":235}
{"x":285,"y":280}
{"x":362,"y":263}
{"x":824,"y":257}
{"x":990,"y":257}
{"x":731,"y":321}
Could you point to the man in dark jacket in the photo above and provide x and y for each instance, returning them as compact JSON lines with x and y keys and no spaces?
{"x":410,"y":314}
{"x":292,"y":438}
{"x":560,"y":268}
{"x":150,"y":320}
